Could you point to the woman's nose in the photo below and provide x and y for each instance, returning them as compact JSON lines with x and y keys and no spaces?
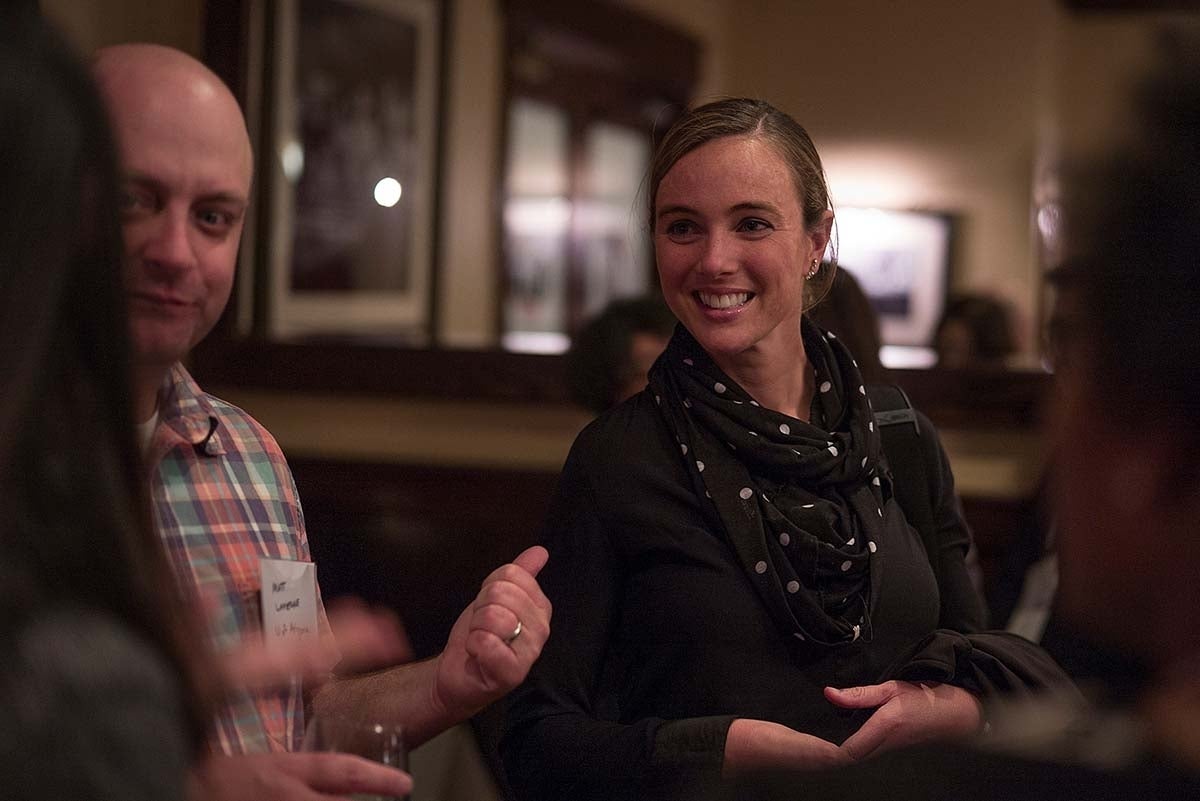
{"x":719,"y":255}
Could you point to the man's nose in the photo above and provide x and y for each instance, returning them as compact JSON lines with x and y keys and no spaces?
{"x":169,"y":247}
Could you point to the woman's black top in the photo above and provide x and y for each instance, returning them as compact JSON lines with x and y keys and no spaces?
{"x":663,"y":632}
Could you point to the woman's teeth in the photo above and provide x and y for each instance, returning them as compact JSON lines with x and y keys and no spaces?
{"x":723,"y":301}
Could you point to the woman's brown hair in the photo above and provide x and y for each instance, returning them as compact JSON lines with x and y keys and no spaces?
{"x":76,"y":530}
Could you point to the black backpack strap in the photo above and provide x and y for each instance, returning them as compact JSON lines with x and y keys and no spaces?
{"x":900,"y":430}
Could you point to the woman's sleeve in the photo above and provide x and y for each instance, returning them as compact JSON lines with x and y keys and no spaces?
{"x":562,"y":740}
{"x":962,"y":609}
{"x":960,"y":652}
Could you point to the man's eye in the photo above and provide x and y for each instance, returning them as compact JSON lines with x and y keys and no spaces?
{"x":131,"y":199}
{"x":214,"y":219}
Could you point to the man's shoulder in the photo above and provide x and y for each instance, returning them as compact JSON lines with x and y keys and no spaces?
{"x":237,"y":429}
{"x":232,"y":415}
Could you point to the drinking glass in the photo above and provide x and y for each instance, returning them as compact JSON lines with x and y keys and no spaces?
{"x":376,"y":740}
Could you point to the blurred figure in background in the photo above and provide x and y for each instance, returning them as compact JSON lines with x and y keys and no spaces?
{"x":100,"y":683}
{"x":975,"y":332}
{"x":1024,"y":594}
{"x":1126,"y":429}
{"x":846,"y":311}
{"x":611,"y":355}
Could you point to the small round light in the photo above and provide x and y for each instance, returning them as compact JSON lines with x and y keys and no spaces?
{"x":387,"y":192}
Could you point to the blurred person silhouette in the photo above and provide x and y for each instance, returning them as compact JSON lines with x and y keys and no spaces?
{"x":1126,"y":494}
{"x":1023,"y":596}
{"x":612,"y":354}
{"x":222,"y":494}
{"x":1126,"y":430}
{"x":107,"y":689}
{"x":975,"y":331}
{"x":102,"y":682}
{"x":847,"y":311}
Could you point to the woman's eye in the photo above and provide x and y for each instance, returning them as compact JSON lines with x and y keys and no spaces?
{"x":680,"y":228}
{"x":754,"y":225}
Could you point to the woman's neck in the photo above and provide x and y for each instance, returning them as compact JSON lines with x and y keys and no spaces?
{"x":778,"y":378}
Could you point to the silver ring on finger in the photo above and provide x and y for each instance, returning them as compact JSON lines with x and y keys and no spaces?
{"x":515,"y":634}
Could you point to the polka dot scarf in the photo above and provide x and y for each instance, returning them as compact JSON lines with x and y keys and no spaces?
{"x":801,"y":503}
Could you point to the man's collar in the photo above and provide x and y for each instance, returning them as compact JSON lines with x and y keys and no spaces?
{"x":188,"y":412}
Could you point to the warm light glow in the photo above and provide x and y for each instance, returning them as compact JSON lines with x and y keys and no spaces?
{"x":535,"y":342}
{"x":540,"y":216}
{"x":883,"y":176}
{"x":291,"y":156}
{"x":387,"y":192}
{"x":907,"y":357}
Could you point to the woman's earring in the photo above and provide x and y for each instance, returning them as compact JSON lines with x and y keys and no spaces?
{"x":816,"y":266}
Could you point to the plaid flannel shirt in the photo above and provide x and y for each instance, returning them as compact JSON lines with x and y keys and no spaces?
{"x":223,"y":497}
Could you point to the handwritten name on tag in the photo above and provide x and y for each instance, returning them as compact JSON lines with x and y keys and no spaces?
{"x":289,"y":600}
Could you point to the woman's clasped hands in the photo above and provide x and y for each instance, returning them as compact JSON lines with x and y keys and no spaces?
{"x":905,"y":714}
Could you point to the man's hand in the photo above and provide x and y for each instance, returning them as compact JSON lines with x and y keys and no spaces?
{"x":363,"y":639}
{"x":752,"y":745}
{"x":293,"y":777}
{"x":907,"y":714}
{"x":483,"y":659}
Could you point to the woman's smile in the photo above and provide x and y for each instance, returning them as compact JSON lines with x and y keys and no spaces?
{"x":724,"y":301}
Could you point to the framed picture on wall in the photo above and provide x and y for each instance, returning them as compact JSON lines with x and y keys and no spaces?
{"x":351,"y":123}
{"x":902,"y":261}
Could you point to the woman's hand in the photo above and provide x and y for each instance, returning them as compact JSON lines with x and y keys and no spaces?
{"x":907,"y":714}
{"x":762,"y":745}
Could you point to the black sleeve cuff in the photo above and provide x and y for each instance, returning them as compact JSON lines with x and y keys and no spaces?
{"x":987,"y":664}
{"x":688,"y":757}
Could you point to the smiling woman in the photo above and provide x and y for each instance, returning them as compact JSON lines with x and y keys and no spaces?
{"x":734,"y":254}
{"x":747,"y":485}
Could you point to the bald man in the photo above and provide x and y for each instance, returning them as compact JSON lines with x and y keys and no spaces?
{"x":223,"y":496}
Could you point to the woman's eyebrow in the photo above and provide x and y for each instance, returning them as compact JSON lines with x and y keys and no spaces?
{"x":676,"y":209}
{"x":747,"y":205}
{"x":756,"y":205}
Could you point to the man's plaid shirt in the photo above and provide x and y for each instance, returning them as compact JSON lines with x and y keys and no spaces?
{"x":223,"y":497}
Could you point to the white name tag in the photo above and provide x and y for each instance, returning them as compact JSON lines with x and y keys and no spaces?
{"x":289,"y":601}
